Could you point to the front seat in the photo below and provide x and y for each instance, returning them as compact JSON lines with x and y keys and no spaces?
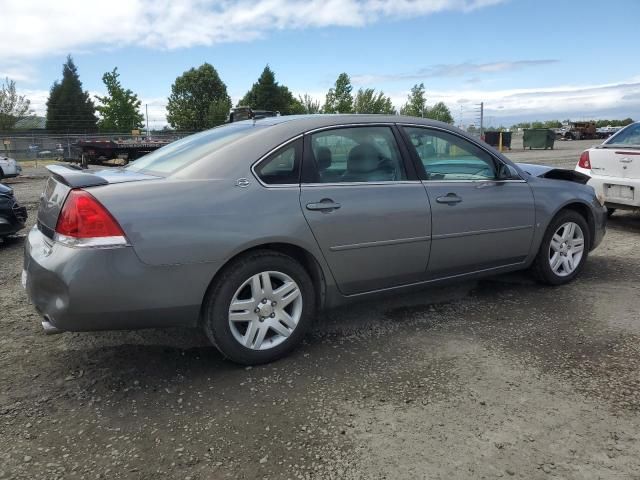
{"x":364,"y":164}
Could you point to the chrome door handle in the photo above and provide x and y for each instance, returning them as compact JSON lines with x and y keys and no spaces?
{"x":449,"y":198}
{"x":324,"y":205}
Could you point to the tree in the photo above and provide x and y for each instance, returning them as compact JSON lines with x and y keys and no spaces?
{"x":416,"y":105}
{"x":440,"y":112}
{"x":69,"y":108}
{"x":120,"y":108}
{"x":309,"y":104}
{"x":267,"y":94}
{"x":368,"y":101}
{"x":13,"y":107}
{"x":198,"y":100}
{"x":339,"y":98}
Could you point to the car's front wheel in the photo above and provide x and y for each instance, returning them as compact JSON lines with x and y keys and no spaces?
{"x":260,"y":308}
{"x":564,"y":249}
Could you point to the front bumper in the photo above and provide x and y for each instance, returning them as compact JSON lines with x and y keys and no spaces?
{"x":84,"y":289}
{"x":12,"y":219}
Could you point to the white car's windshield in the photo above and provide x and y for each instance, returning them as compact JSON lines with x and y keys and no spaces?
{"x":626,"y":136}
{"x":187,"y":150}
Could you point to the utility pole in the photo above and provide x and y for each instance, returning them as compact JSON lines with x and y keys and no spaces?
{"x":146,"y":108}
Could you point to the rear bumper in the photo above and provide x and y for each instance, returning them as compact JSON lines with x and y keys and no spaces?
{"x":83,"y":289}
{"x":598,"y":183}
{"x":12,"y":220}
{"x":600,"y":223}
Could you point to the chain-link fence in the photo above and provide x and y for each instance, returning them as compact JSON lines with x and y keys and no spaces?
{"x":34,"y":146}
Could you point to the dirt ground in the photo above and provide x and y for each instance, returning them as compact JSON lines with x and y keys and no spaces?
{"x":501,"y":378}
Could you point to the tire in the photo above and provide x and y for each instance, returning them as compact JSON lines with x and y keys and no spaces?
{"x":243,"y":341}
{"x":568,"y":269}
{"x":1,"y":174}
{"x":610,"y":211}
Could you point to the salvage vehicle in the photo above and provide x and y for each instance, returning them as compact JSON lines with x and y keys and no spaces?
{"x":12,"y":215}
{"x":614,"y":169}
{"x":248,"y":229}
{"x":9,"y":168}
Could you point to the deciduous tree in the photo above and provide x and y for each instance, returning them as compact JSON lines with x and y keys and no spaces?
{"x":198,"y":100}
{"x":416,"y":105}
{"x":339,"y":98}
{"x":440,"y":112}
{"x":368,"y":101}
{"x":13,"y":107}
{"x":120,"y":109}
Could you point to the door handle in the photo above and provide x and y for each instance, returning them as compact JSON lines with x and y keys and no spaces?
{"x":325,"y":205}
{"x":449,"y":198}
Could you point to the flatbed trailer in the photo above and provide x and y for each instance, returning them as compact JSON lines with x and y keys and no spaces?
{"x":99,"y":151}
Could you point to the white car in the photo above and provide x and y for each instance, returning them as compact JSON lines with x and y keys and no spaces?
{"x":9,"y":168}
{"x":614,"y":168}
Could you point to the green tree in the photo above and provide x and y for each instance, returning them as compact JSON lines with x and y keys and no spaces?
{"x":267,"y":94}
{"x":368,"y":101}
{"x":339,"y":98}
{"x":309,"y":104}
{"x":13,"y":107}
{"x":416,"y":105}
{"x":440,"y":112}
{"x":120,"y":109}
{"x":198,"y":100}
{"x":69,"y":108}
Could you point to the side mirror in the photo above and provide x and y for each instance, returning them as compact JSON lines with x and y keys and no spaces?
{"x":505,"y":172}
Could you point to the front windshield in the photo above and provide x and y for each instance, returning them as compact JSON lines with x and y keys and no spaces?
{"x":626,"y":136}
{"x":185,"y":151}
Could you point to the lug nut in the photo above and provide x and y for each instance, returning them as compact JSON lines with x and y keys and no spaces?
{"x":257,"y":310}
{"x":273,"y":304}
{"x":264,"y":300}
{"x":273,"y":315}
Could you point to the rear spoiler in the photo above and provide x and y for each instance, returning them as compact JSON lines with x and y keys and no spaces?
{"x":544,"y":171}
{"x":75,"y":178}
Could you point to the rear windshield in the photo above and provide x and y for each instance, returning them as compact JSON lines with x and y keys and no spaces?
{"x":626,"y":136}
{"x":185,"y":151}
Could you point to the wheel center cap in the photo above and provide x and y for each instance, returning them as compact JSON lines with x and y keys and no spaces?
{"x":265,"y":309}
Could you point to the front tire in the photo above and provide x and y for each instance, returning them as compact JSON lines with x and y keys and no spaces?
{"x":260,"y":308}
{"x":564,"y":249}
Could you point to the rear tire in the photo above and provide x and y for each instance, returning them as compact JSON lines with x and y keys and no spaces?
{"x":564,"y":249}
{"x":260,"y":308}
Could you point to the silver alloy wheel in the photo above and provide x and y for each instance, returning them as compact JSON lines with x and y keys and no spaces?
{"x":566,"y":249}
{"x":265,"y":310}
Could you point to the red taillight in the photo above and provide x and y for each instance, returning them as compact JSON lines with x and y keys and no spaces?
{"x":584,"y":161}
{"x":82,"y":216}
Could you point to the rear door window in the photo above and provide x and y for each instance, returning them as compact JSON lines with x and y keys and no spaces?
{"x":357,"y":154}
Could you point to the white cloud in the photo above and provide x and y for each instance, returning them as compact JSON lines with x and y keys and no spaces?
{"x":452,"y":70}
{"x":37,"y":28}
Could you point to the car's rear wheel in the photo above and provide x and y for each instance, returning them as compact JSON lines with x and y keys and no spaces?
{"x":260,"y":308}
{"x":564,"y":249}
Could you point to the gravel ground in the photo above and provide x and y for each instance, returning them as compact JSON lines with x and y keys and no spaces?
{"x":501,"y":378}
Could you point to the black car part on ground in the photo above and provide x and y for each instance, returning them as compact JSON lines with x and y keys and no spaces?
{"x":12,"y":215}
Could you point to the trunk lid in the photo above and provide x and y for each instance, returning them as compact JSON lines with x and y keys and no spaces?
{"x":614,"y":161}
{"x":63,"y":179}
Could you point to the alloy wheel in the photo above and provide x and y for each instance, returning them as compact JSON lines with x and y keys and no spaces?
{"x":566,"y":249}
{"x":265,"y":310}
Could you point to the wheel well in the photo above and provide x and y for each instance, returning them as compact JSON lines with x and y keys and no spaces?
{"x":585,"y":212}
{"x":302,"y":256}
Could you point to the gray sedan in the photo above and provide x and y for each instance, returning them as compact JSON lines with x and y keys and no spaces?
{"x":247,"y":230}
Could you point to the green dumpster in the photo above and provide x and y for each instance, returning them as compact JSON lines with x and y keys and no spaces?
{"x":538,"y":138}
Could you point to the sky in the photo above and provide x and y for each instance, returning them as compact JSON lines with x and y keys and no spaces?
{"x":525,"y":59}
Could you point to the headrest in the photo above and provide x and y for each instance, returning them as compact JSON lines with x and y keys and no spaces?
{"x":363,"y":158}
{"x":323,"y":158}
